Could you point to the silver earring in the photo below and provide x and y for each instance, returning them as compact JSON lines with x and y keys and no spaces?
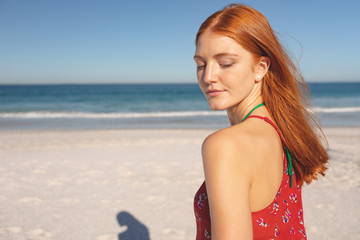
{"x":258,"y":77}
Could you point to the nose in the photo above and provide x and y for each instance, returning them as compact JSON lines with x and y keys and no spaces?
{"x":209,"y":74}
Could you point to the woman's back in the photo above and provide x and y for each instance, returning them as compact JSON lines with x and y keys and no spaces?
{"x":275,"y":213}
{"x":267,"y":162}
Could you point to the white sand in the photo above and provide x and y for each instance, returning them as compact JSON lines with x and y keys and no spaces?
{"x":74,"y":185}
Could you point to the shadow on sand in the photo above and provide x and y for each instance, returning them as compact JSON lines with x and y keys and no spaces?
{"x":135,"y":229}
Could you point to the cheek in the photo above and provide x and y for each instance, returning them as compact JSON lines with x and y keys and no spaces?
{"x":201,"y":83}
{"x":239,"y":83}
{"x":198,"y":76}
{"x":243,"y":77}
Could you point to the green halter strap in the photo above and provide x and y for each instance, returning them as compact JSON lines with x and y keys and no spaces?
{"x":289,"y":165}
{"x":247,"y":115}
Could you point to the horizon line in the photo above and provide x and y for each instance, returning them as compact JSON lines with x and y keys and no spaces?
{"x":145,"y":83}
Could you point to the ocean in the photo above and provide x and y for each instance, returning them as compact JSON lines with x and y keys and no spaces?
{"x":141,"y":106}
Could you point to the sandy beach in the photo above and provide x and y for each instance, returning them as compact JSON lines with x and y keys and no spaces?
{"x":139,"y":184}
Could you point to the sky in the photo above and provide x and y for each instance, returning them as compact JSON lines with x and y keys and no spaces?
{"x":152,"y":41}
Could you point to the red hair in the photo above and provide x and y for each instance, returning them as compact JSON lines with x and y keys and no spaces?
{"x":284,"y":90}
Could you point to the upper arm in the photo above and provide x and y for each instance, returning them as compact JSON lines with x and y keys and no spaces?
{"x":228,"y":177}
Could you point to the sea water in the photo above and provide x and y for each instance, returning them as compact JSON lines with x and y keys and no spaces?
{"x":124,"y":106}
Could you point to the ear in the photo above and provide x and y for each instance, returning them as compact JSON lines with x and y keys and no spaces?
{"x":262,"y":68}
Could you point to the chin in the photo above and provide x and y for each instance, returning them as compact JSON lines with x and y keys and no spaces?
{"x":216,"y":106}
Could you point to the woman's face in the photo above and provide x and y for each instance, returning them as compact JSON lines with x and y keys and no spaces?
{"x":225,"y":70}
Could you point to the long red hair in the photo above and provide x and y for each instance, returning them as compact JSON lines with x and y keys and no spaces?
{"x":284,"y":90}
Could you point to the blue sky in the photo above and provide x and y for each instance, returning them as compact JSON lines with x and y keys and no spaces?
{"x":132,"y":41}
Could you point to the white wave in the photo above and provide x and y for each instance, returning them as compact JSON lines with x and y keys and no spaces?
{"x":336,"y":110}
{"x":90,"y":115}
{"x":31,"y":115}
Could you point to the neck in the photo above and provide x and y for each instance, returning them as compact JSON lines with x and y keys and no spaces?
{"x":238,"y":112}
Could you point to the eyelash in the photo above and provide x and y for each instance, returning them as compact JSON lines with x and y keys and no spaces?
{"x":200,"y":67}
{"x":226,"y":65}
{"x":222,"y":65}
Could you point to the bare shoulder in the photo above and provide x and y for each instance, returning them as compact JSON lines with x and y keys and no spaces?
{"x":238,"y":139}
{"x":229,"y":146}
{"x":226,"y":136}
{"x":244,"y":145}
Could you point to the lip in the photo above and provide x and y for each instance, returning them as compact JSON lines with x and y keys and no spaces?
{"x":214,"y":92}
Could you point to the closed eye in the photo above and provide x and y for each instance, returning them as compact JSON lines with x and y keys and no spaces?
{"x":228,"y":65}
{"x":201,"y":67}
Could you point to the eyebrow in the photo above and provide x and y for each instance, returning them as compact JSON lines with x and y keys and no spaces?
{"x":219,"y":55}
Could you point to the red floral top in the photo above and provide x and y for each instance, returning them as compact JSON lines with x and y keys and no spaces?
{"x":282,"y":219}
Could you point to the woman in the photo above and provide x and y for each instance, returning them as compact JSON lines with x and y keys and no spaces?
{"x":255,"y":168}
